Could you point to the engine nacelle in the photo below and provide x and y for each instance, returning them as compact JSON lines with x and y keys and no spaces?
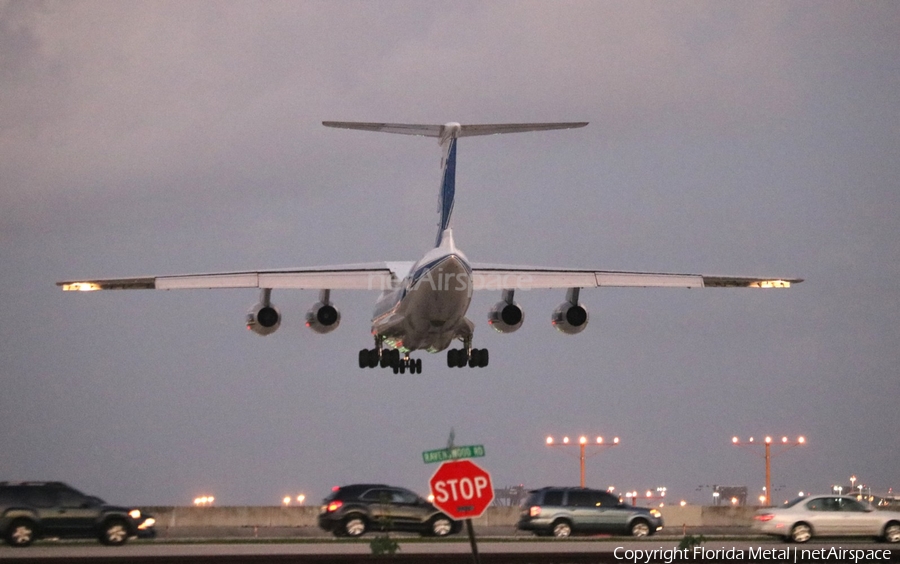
{"x":263,"y":318}
{"x":570,"y":318}
{"x":506,"y":317}
{"x":323,"y":317}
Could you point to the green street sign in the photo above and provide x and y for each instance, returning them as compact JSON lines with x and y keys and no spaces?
{"x":455,"y":453}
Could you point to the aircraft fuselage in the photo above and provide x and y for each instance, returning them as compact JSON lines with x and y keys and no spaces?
{"x":427,"y":309}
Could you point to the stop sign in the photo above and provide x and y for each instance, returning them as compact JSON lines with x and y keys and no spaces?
{"x":461,"y":489}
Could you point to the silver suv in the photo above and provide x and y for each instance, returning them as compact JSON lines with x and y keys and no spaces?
{"x":562,"y":512}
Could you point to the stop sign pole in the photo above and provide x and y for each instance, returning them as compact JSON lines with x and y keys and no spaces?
{"x":462,"y":490}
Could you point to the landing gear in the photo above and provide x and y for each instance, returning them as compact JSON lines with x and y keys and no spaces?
{"x":414,"y":365}
{"x":474,"y":358}
{"x":389,"y":358}
{"x":369,"y":358}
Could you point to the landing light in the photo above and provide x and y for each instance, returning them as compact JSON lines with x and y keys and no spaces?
{"x":771,"y":284}
{"x":80,"y":287}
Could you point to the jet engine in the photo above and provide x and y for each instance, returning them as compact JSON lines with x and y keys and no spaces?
{"x":506,"y":316}
{"x":323,"y":317}
{"x":570,"y":317}
{"x":264,"y":318}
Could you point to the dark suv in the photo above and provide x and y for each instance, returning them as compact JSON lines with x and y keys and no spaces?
{"x":353,"y":510}
{"x":31,"y":510}
{"x":565,"y":511}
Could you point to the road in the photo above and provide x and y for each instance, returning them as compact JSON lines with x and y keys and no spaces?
{"x":493,"y":551}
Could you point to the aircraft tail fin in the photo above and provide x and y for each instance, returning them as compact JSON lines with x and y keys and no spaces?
{"x":447,"y":134}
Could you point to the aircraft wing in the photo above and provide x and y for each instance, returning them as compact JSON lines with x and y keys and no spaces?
{"x":374,"y":276}
{"x":504,"y":277}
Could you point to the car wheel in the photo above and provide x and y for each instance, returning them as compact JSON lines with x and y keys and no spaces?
{"x":801,"y":533}
{"x":20,"y":533}
{"x":114,"y":533}
{"x":892,"y":532}
{"x":562,"y":529}
{"x":441,"y":526}
{"x":640,"y":528}
{"x":354,"y":526}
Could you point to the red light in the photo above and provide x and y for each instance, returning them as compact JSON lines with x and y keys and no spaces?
{"x":335,"y":488}
{"x":765,"y":517}
{"x":334,"y":506}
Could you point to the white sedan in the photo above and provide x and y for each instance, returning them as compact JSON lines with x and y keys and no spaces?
{"x":827,"y":516}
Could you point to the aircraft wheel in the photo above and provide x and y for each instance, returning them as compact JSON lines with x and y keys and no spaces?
{"x":395,"y":368}
{"x":463,"y":358}
{"x":395,"y":357}
{"x":418,"y":366}
{"x":363,"y":358}
{"x":402,"y":367}
{"x":373,"y":358}
{"x":385,"y":358}
{"x":473,"y":359}
{"x":451,"y":358}
{"x":483,"y":361}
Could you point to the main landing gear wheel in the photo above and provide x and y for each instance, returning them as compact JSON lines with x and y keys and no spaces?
{"x":458,"y":358}
{"x":384,"y":358}
{"x":368,"y":358}
{"x":414,"y":365}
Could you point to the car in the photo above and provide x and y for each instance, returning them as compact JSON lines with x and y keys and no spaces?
{"x":563,"y":512}
{"x":827,"y":516}
{"x":33,"y":510}
{"x":356,"y":509}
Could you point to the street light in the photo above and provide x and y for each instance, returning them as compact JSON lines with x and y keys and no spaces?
{"x":786,"y":444}
{"x":583,"y":443}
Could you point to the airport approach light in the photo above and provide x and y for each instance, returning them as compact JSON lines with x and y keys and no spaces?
{"x":583,"y":443}
{"x":786,"y":444}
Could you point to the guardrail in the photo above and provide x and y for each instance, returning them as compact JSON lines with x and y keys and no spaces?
{"x":675,"y":517}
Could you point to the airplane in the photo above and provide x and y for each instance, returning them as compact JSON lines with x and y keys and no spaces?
{"x":423,"y":305}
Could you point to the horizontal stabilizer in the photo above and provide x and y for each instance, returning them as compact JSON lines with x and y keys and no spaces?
{"x":452,"y":129}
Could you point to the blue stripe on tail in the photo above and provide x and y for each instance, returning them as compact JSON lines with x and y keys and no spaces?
{"x":448,"y":191}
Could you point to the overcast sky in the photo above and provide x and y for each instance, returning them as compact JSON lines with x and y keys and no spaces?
{"x":751,"y":138}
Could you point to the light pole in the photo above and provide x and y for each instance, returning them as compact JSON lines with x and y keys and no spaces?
{"x":583,"y":444}
{"x":787,"y":444}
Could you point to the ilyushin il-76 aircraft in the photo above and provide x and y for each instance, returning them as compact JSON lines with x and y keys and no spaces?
{"x":422,"y":306}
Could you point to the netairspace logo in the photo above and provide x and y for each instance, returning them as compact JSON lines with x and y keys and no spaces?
{"x":793,"y":554}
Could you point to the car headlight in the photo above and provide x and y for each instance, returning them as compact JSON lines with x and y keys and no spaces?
{"x":655,"y":513}
{"x":135,"y":514}
{"x":149,"y":522}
